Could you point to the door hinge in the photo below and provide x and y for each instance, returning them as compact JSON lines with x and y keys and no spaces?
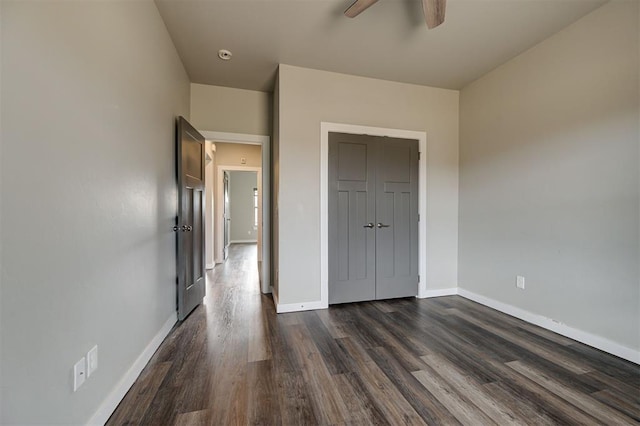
{"x":419,"y":154}
{"x":418,"y":278}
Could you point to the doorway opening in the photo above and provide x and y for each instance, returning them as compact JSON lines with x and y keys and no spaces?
{"x":240,"y":201}
{"x":243,"y":155}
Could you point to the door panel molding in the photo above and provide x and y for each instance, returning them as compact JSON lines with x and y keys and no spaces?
{"x":325,"y":129}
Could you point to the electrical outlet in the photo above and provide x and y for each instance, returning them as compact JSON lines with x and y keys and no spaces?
{"x":92,"y":361}
{"x":243,"y":160}
{"x":79,"y":374}
{"x":520,"y":282}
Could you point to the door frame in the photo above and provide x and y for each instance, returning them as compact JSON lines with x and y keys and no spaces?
{"x":219,"y":199}
{"x":325,"y":129}
{"x":265,"y":182}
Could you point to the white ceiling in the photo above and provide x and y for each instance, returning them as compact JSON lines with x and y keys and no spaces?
{"x":388,"y":41}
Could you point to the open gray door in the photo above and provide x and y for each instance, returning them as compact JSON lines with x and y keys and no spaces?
{"x":190,"y":226}
{"x":373,"y":217}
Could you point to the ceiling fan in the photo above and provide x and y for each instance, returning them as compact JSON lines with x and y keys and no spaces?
{"x":433,"y":10}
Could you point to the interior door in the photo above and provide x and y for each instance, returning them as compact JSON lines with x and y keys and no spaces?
{"x":351,"y":203}
{"x":226,"y":216}
{"x":190,"y":226}
{"x":396,"y":218}
{"x":373,"y":217}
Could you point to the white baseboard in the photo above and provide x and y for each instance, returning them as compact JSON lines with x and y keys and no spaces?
{"x":597,"y":342}
{"x":282,"y":308}
{"x":109,"y":405}
{"x":242,"y":241}
{"x":438,"y":292}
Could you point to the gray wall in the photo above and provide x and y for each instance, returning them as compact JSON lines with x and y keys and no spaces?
{"x":549,"y":178}
{"x":241,"y":186}
{"x":1,"y":192}
{"x":306,"y":98}
{"x":90,"y":92}
{"x":225,"y":109}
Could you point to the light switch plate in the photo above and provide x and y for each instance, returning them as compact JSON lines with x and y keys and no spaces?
{"x":92,"y":361}
{"x":79,"y":374}
{"x":520,"y":282}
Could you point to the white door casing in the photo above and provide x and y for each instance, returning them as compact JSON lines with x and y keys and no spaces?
{"x":325,"y":128}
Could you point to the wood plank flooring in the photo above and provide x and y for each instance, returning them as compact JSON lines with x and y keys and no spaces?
{"x":435,"y":361}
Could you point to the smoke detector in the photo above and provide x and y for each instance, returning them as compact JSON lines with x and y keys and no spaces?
{"x":224,"y":54}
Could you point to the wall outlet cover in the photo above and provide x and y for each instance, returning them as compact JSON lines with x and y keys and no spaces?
{"x":92,"y":360}
{"x":520,"y":282}
{"x":79,"y":374}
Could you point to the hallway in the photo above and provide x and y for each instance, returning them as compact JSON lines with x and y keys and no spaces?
{"x":437,"y":361}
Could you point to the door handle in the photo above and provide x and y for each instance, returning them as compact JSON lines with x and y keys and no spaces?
{"x":382,"y":225}
{"x":368,"y":225}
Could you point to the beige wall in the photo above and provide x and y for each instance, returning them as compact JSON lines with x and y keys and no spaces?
{"x":90,"y":93}
{"x":308,"y":97}
{"x":549,"y":178}
{"x":223,"y":109}
{"x":230,"y":154}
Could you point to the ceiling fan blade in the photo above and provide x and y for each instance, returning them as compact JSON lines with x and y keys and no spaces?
{"x":358,"y":7}
{"x":434,"y":12}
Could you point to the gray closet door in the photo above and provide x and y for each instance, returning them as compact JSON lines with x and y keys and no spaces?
{"x":373,"y":217}
{"x":396,"y":218}
{"x":351,"y":203}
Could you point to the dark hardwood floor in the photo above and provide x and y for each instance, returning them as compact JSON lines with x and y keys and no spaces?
{"x":435,"y":361}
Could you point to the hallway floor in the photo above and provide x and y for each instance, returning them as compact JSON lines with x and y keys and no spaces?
{"x":445,"y":360}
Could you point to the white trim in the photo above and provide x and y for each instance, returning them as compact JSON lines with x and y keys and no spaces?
{"x":109,"y":405}
{"x":439,"y":293}
{"x":210,"y":266}
{"x":325,"y":128}
{"x":581,"y":336}
{"x":265,"y":199}
{"x":235,"y":138}
{"x":297,"y":307}
{"x":242,"y":241}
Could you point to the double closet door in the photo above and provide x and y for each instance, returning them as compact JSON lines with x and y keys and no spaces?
{"x":373,"y":217}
